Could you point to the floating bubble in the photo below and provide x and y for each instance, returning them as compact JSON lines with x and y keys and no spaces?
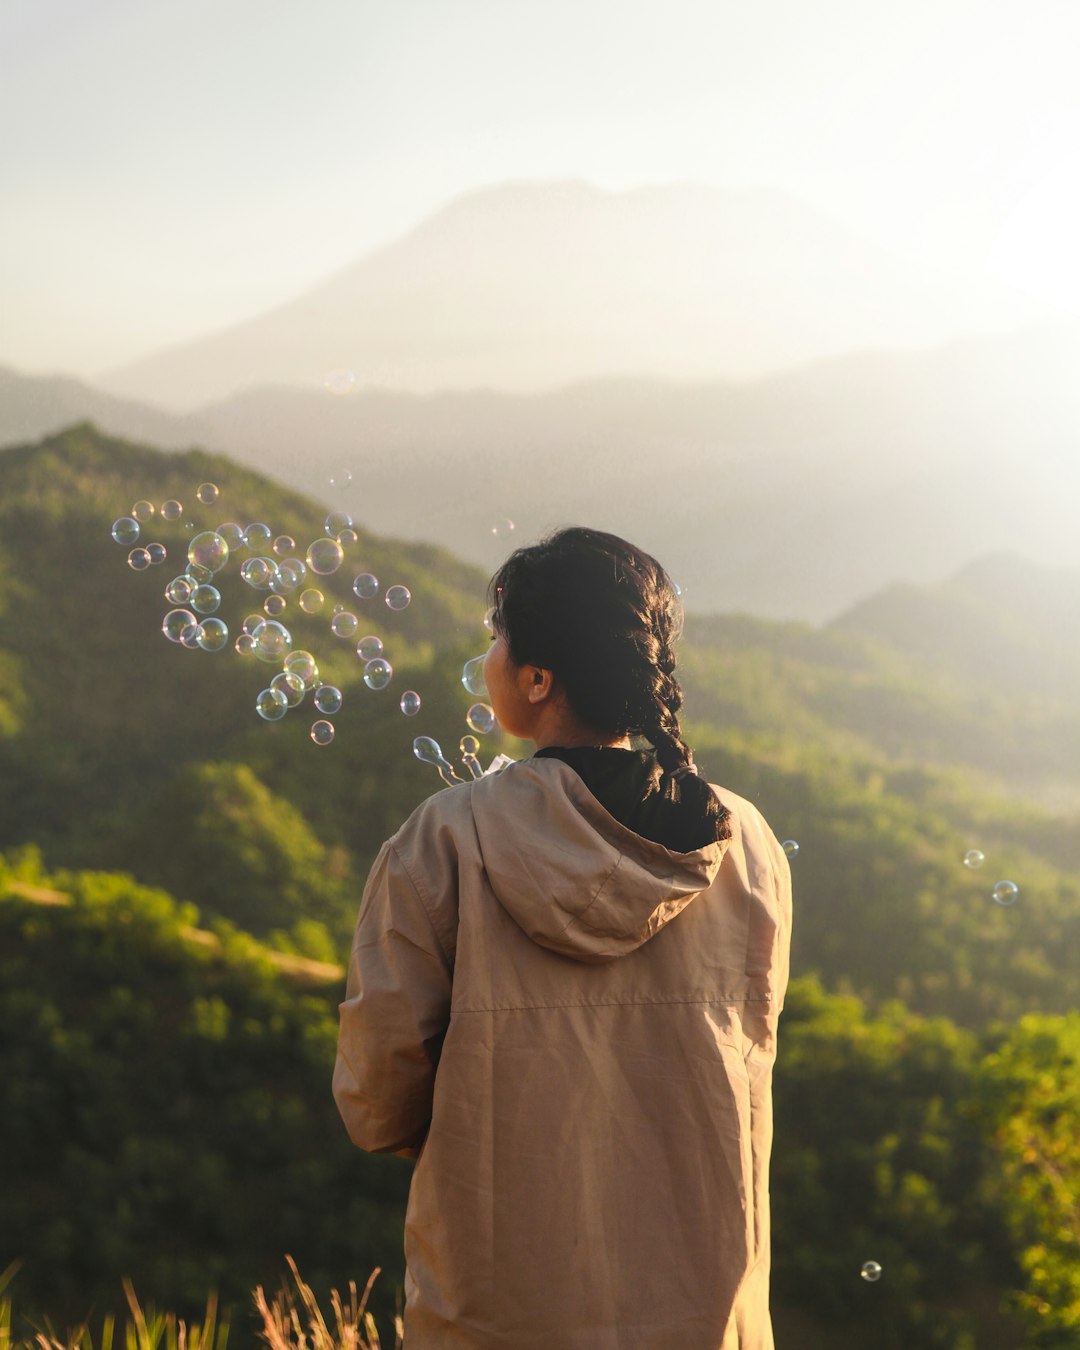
{"x":791,"y":847}
{"x":347,"y":537}
{"x":171,"y":510}
{"x":252,"y":622}
{"x":207,"y":493}
{"x":472,"y":676}
{"x":232,"y":533}
{"x":368,"y":648}
{"x":342,"y":480}
{"x":377,"y":673}
{"x":284,"y":544}
{"x":366,"y":586}
{"x":197,"y":575}
{"x":125,"y":530}
{"x":303,"y":664}
{"x":481,"y":718}
{"x":138,"y":559}
{"x":157,"y":554}
{"x":259,"y":572}
{"x":325,"y":556}
{"x":338,"y":609}
{"x":344,"y":624}
{"x":288,"y":576}
{"x":398,"y":597}
{"x":974,"y":858}
{"x":178,"y":591}
{"x":337,"y":521}
{"x":257,"y":535}
{"x":339,"y":382}
{"x":1005,"y":893}
{"x":328,"y":699}
{"x":410,"y":703}
{"x":245,"y":644}
{"x":208,"y":550}
{"x":502,"y":528}
{"x":190,"y":636}
{"x":469,"y":745}
{"x":291,"y":685}
{"x":311,"y":601}
{"x":205,"y":599}
{"x":322,"y":733}
{"x":142,"y":510}
{"x":213,"y":635}
{"x":274,"y":605}
{"x":272,"y":705}
{"x":871,"y":1272}
{"x":176,"y":621}
{"x":273,"y":641}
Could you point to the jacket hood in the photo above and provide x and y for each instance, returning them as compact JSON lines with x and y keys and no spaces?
{"x":571,"y":876}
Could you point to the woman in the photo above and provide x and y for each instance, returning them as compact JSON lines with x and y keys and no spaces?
{"x":563,"y":997}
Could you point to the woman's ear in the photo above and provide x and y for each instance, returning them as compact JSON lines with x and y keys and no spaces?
{"x":541,"y":684}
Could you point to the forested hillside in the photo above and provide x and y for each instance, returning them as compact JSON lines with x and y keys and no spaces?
{"x":172,"y":859}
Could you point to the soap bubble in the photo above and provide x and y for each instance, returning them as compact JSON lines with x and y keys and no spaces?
{"x":344,"y":624}
{"x":303,"y":664}
{"x":273,"y":641}
{"x":142,"y":510}
{"x":339,"y":382}
{"x":347,"y":537}
{"x":430,"y":752}
{"x":232,"y":533}
{"x":271,"y":704}
{"x":1005,"y":893}
{"x":871,"y":1272}
{"x":311,"y":601}
{"x":190,"y":636}
{"x":974,"y":857}
{"x":252,"y":622}
{"x":205,"y":599}
{"x":176,"y":621}
{"x":472,"y":676}
{"x":178,"y":591}
{"x":157,"y":553}
{"x":288,"y":576}
{"x":410,"y":703}
{"x":257,"y":535}
{"x":284,"y":544}
{"x":207,"y":493}
{"x":368,"y":648}
{"x":377,"y":673}
{"x":138,"y":559}
{"x":197,"y":575}
{"x":791,"y":847}
{"x":208,"y":550}
{"x":290,"y":685}
{"x":469,"y":745}
{"x":337,"y":521}
{"x":274,"y":605}
{"x":258,"y":572}
{"x":322,"y":733}
{"x":328,"y":699}
{"x":212,"y":635}
{"x":398,"y":597}
{"x":171,"y":510}
{"x":325,"y":556}
{"x":481,"y":718}
{"x":125,"y":530}
{"x":366,"y":586}
{"x":501,"y":528}
{"x":245,"y":644}
{"x":342,"y":480}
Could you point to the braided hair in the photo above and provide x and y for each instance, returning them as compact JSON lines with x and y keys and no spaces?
{"x":603,"y":617}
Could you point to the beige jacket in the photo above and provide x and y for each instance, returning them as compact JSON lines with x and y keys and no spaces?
{"x":575,"y":1028}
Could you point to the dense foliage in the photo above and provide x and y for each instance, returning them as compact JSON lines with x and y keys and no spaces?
{"x":169,"y":974}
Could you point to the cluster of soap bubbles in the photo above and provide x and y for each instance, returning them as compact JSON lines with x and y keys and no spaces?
{"x":280,"y":573}
{"x":1004,"y":893}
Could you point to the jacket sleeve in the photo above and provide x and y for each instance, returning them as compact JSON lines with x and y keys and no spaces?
{"x":395,"y":1014}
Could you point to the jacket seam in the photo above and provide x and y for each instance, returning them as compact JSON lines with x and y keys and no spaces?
{"x":730,"y":1001}
{"x":601,"y":887}
{"x":423,"y":903}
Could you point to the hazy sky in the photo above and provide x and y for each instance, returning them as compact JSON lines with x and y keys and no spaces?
{"x":168,"y":166}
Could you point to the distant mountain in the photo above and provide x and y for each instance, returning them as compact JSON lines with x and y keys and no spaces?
{"x":528,"y":286}
{"x":792,"y":496}
{"x":37,"y":405}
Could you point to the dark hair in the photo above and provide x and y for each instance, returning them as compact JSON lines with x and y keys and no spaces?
{"x":603,"y":617}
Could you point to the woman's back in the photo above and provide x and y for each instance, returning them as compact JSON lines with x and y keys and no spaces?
{"x":575,"y":1028}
